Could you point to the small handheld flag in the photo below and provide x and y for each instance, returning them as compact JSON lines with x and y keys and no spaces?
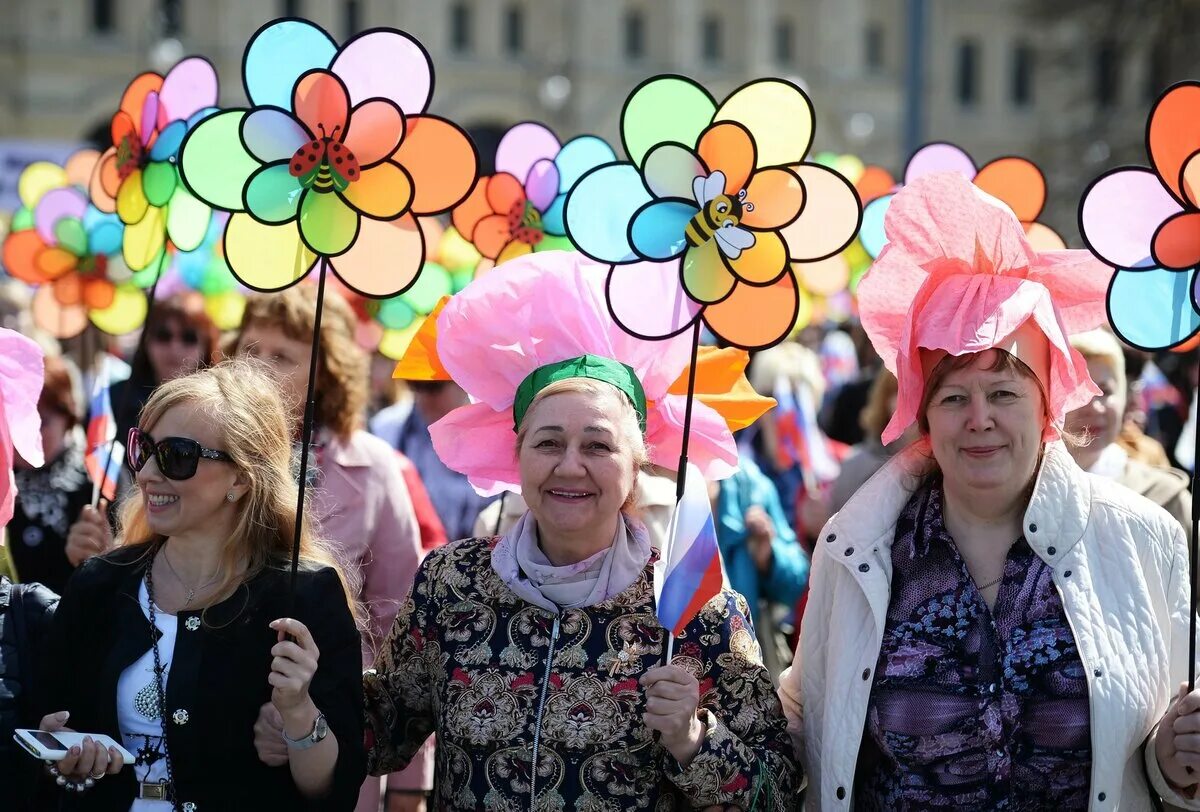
{"x":799,"y":439}
{"x":690,"y":573}
{"x":104,"y":451}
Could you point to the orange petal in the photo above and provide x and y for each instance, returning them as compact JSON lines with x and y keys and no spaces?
{"x":1016,"y":181}
{"x":777,"y":196}
{"x":1174,"y":133}
{"x":21,"y":251}
{"x":376,"y":127}
{"x":1177,"y":243}
{"x":399,"y":240}
{"x":468,"y":213}
{"x":825,"y":277}
{"x":321,"y":102}
{"x":875,"y":181}
{"x":721,"y":384}
{"x":754,"y":317}
{"x":98,"y":294}
{"x":420,"y":361}
{"x":762,"y":262}
{"x":80,"y":166}
{"x":728,"y":147}
{"x":135,"y":95}
{"x":1190,"y":178}
{"x":69,"y":290}
{"x":503,"y":192}
{"x":122,"y":127}
{"x":491,"y":235}
{"x":58,"y":320}
{"x":441,"y":160}
{"x":54,"y":262}
{"x":1043,"y":238}
{"x":105,"y":183}
{"x":382,"y":191}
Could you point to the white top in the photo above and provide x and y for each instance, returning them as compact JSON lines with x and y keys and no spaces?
{"x":137,"y":706}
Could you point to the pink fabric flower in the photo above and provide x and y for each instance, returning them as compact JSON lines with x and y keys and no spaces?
{"x":21,"y":375}
{"x":535,"y":310}
{"x":958,"y":274}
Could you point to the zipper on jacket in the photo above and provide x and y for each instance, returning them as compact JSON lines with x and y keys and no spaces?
{"x":537,"y":722}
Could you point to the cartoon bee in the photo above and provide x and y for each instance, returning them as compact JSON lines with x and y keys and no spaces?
{"x":325,"y":164}
{"x":719,"y":216}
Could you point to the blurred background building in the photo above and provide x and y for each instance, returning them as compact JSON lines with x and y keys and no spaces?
{"x":1067,"y":84}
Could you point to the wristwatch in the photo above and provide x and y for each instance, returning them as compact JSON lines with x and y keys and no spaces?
{"x":320,"y":730}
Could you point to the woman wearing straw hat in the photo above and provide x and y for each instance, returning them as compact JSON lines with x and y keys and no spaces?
{"x":537,"y":657}
{"x":988,"y":626}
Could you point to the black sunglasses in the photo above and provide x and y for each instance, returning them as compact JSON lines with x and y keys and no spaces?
{"x":163,"y":335}
{"x":177,"y":457}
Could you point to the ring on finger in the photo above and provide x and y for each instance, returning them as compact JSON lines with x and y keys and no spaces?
{"x":96,"y":776}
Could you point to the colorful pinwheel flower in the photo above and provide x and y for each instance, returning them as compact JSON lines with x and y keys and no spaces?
{"x":520,"y":208}
{"x":71,"y":251}
{"x":1017,"y":182}
{"x":138,"y":176}
{"x":710,"y":211}
{"x":333,"y":159}
{"x":1145,"y":223}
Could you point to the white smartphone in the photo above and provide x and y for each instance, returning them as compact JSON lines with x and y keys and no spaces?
{"x":54,"y":746}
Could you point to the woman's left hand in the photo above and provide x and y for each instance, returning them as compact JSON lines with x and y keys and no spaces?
{"x":293,"y":665}
{"x":1177,"y":745}
{"x":672,"y":697}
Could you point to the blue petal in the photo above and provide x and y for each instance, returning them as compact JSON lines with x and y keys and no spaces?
{"x":200,"y":115}
{"x":552,"y":217}
{"x":871,"y":233}
{"x":166,"y":146}
{"x":599,"y":208}
{"x":658,"y":229}
{"x":1153,"y":309}
{"x":278,"y":55}
{"x":105,"y":238}
{"x":579,"y":155}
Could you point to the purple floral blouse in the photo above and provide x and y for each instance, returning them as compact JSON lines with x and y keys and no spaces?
{"x":973,"y":708}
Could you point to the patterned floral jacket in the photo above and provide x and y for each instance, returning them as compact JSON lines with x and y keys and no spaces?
{"x":468,"y":659}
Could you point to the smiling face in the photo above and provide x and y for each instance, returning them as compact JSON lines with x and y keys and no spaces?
{"x":196,"y":506}
{"x":577,"y":467}
{"x":985,"y":425}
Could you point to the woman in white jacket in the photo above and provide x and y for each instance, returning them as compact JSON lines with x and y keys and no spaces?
{"x":989,"y":627}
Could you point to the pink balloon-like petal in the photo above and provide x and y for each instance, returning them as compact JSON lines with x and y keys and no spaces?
{"x":541,"y":187}
{"x":648,"y":300}
{"x":523,"y":146}
{"x":55,"y":205}
{"x":939,"y":158}
{"x":149,"y":117}
{"x":387,"y":64}
{"x":1120,"y":213}
{"x":187,"y":88}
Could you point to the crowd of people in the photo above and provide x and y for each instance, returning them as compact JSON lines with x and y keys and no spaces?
{"x":955,"y":555}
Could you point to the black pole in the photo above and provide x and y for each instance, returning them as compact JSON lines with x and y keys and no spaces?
{"x":1194,"y":547}
{"x":681,"y":479}
{"x":310,"y":408}
{"x":129,"y":382}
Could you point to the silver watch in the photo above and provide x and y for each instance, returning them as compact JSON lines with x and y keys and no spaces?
{"x":320,"y":730}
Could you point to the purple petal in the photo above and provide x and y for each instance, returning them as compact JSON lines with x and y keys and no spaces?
{"x":1120,"y":213}
{"x":523,"y":146}
{"x":149,"y":116}
{"x":55,"y":205}
{"x":541,"y":187}
{"x":647,"y":299}
{"x":388,"y":64}
{"x":272,"y":135}
{"x":188,"y":87}
{"x":939,"y":157}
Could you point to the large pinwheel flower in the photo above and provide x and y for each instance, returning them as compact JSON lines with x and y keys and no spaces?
{"x":71,"y":251}
{"x":1017,"y":182}
{"x":138,"y":176}
{"x":1145,"y":223}
{"x":332,"y":160}
{"x":520,"y":208}
{"x":713,"y":206}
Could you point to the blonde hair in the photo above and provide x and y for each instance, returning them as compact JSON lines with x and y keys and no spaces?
{"x":792,"y":361}
{"x":626,"y":420}
{"x":1101,"y":345}
{"x":241,"y":400}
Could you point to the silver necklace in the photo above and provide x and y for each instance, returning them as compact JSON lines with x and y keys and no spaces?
{"x":191,"y":590}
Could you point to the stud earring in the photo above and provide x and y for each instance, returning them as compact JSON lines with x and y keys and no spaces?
{"x":229,"y":497}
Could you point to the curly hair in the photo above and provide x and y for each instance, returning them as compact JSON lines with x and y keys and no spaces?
{"x":342,"y":380}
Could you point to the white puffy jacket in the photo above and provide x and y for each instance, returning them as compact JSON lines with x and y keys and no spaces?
{"x":1121,"y":567}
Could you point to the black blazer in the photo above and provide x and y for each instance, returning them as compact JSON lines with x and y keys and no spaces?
{"x":218,"y":675}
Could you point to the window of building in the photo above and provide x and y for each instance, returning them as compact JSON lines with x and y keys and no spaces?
{"x":710,"y":38}
{"x":103,"y":15}
{"x":172,"y":17}
{"x":967,"y":73}
{"x":785,"y":42}
{"x":873,"y":54}
{"x":634,"y":35}
{"x":1108,"y":74}
{"x":351,"y":17}
{"x":1158,"y":71}
{"x":1022,"y":75}
{"x":292,"y":8}
{"x":460,"y":28}
{"x":514,"y":30}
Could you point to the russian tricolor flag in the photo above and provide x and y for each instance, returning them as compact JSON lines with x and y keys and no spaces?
{"x":799,"y":438}
{"x":690,"y":573}
{"x":104,"y":451}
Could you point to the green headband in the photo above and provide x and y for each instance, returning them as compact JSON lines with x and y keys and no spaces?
{"x":585,"y":366}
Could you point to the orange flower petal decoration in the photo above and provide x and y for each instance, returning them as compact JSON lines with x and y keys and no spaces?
{"x":1173,"y":139}
{"x":729,"y":148}
{"x":21,"y":250}
{"x":420,"y":361}
{"x":721,"y":383}
{"x":321,"y":102}
{"x":442,"y":162}
{"x":1018,"y":182}
{"x":755,"y":316}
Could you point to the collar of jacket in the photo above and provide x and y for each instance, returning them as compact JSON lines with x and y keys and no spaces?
{"x":860,"y":536}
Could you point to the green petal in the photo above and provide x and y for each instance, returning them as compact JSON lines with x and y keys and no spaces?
{"x":670,"y":108}
{"x":273,"y":194}
{"x":22,"y":219}
{"x":552,"y":243}
{"x":187,"y":220}
{"x":215,"y":164}
{"x":158,"y":182}
{"x":394,"y":314}
{"x":71,"y":236}
{"x":432,"y":284}
{"x":327,"y":224}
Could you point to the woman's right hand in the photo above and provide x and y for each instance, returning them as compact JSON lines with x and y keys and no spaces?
{"x":90,"y":536}
{"x":87,"y":760}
